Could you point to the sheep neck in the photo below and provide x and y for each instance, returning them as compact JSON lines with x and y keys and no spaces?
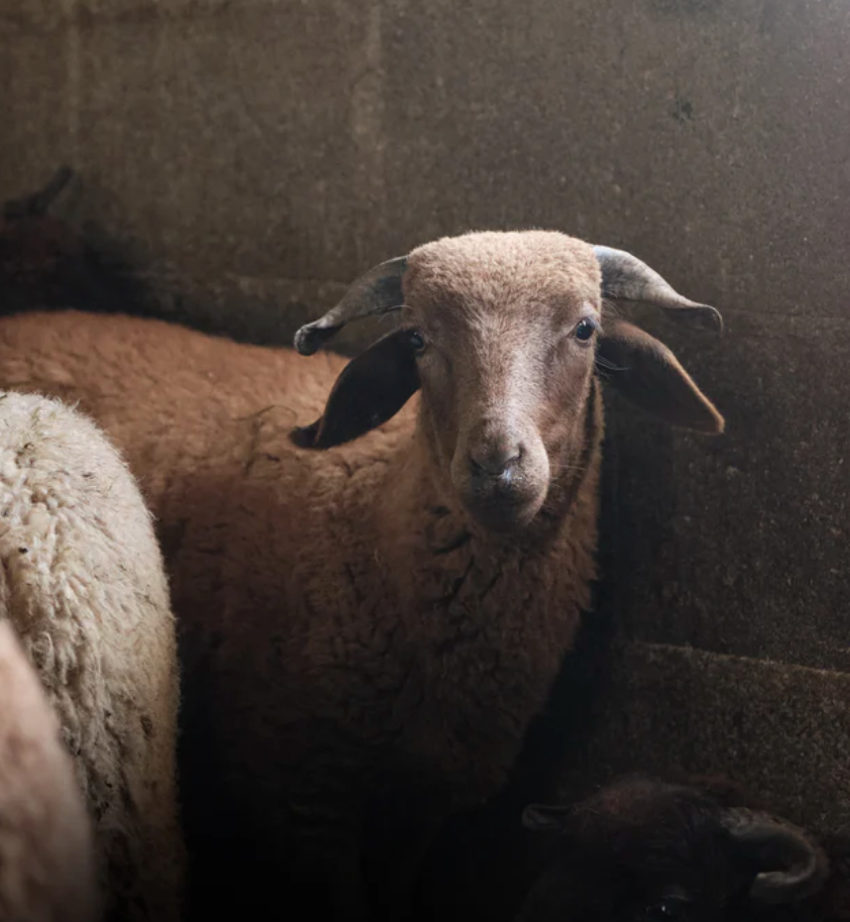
{"x":486,"y":620}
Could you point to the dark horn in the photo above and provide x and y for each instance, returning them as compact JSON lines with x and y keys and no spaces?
{"x":795,"y":867}
{"x":35,"y":205}
{"x":376,"y":292}
{"x":626,"y":278}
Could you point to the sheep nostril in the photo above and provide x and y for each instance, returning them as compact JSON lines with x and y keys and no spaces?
{"x":499,"y":463}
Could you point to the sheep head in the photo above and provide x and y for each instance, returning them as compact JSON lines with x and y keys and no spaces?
{"x":642,"y":850}
{"x":503,"y":333}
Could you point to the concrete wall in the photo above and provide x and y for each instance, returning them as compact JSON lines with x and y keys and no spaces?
{"x":253,"y":156}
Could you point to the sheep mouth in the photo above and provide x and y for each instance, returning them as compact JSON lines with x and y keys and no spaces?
{"x":502,"y":510}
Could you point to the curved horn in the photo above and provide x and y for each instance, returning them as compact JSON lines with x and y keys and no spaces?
{"x":794,"y":867}
{"x":36,"y":204}
{"x":376,"y":292}
{"x":625,"y":277}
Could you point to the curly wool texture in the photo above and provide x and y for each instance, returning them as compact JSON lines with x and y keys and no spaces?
{"x":47,"y":857}
{"x":82,"y":582}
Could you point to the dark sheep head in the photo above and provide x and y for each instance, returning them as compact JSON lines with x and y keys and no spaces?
{"x":33,"y":245}
{"x":45,"y":263}
{"x":503,"y":333}
{"x":642,"y":850}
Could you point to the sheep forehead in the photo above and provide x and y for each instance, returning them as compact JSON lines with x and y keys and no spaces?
{"x":642,"y":804}
{"x":504,"y":273}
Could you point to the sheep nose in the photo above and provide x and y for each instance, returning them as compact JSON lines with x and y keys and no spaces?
{"x":496,"y":460}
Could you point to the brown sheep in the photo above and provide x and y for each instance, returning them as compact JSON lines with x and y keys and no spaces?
{"x":367,"y":630}
{"x":83,"y":583}
{"x":47,"y":856}
{"x":646,"y":850}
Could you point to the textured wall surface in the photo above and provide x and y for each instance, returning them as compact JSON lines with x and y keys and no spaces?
{"x":253,"y":156}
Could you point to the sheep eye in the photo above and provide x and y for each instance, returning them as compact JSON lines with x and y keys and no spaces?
{"x":585,"y":330}
{"x":672,"y":907}
{"x":417,"y":340}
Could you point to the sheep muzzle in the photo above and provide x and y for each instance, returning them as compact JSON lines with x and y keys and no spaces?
{"x":501,"y":475}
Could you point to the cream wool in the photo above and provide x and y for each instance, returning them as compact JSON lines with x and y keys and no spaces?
{"x":83,"y":584}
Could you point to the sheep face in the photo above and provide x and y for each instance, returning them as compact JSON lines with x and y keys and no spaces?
{"x":503,"y":332}
{"x":644,"y":851}
{"x":504,"y":328}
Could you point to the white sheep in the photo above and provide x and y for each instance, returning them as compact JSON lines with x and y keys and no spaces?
{"x":368,"y":629}
{"x":83,"y":584}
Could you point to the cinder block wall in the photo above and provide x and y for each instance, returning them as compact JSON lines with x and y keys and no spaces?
{"x":253,"y":156}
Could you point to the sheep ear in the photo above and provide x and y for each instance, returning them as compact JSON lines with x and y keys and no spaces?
{"x":371,"y":389}
{"x":650,"y":376}
{"x":545,"y":817}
